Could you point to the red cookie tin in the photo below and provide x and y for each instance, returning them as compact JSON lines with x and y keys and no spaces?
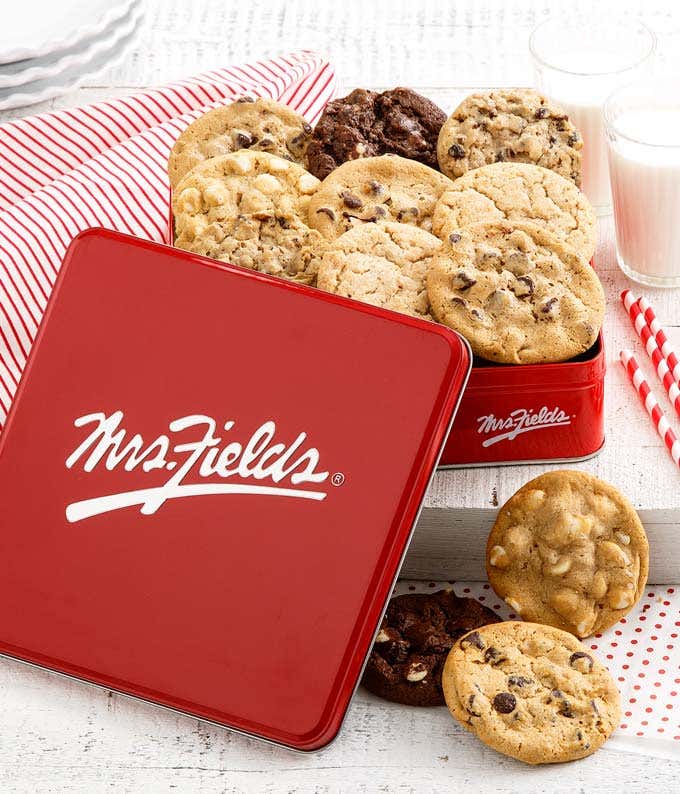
{"x":208,"y":481}
{"x":530,"y":413}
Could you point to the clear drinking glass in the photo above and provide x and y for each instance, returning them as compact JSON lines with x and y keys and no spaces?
{"x":578,"y":63}
{"x":642,"y":124}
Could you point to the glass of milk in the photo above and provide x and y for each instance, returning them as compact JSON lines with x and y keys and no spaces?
{"x":578,"y":62}
{"x":642,"y":123}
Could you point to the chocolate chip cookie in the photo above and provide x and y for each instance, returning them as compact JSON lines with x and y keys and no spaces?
{"x":509,"y":125}
{"x":381,"y":264}
{"x":415,"y":637}
{"x":532,"y":692}
{"x":519,"y":192}
{"x":249,"y":208}
{"x":376,"y":190}
{"x":568,"y":550}
{"x":368,"y":124}
{"x":261,"y":125}
{"x":517,"y":293}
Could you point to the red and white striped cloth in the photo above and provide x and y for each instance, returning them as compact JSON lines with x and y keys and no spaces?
{"x":105,"y":165}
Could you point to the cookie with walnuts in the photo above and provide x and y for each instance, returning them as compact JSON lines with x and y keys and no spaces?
{"x":257,"y":124}
{"x":530,"y":691}
{"x":376,"y":190}
{"x":414,"y":639}
{"x":519,"y":192}
{"x":516,"y":292}
{"x":568,"y":550}
{"x":249,"y":208}
{"x":382,"y":264}
{"x":516,"y":125}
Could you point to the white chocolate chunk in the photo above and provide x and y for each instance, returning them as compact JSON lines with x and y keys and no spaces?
{"x":498,"y":557}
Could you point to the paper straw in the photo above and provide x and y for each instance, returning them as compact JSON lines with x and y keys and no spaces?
{"x":652,"y":407}
{"x":661,"y":339}
{"x":663,"y":372}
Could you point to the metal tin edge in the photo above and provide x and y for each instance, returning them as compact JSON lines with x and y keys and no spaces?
{"x":435,"y":468}
{"x":536,"y":462}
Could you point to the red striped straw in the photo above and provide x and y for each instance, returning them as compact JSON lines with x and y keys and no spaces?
{"x":652,"y":407}
{"x":661,"y":366}
{"x":661,"y":339}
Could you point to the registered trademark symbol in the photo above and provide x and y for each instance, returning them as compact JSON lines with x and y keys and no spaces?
{"x":338,"y":478}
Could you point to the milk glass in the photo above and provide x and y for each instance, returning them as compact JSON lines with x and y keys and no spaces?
{"x":578,"y":63}
{"x":643,"y":133}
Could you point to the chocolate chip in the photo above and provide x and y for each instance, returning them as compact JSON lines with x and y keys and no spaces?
{"x":470,"y":705}
{"x":350,"y":200}
{"x":266,"y":143}
{"x":380,"y":212}
{"x":243,"y":140}
{"x":245,"y":99}
{"x":456,"y":151}
{"x":474,"y":639}
{"x":494,"y":657}
{"x":573,"y":139}
{"x":561,"y":126}
{"x":524,"y":287}
{"x":455,"y":237}
{"x":564,"y":710}
{"x":283,"y":223}
{"x":462,"y":281}
{"x":541,"y":113}
{"x":327,"y":211}
{"x":476,"y":313}
{"x":408,"y":211}
{"x":581,"y":655}
{"x":500,"y":157}
{"x":376,"y":188}
{"x":593,"y":706}
{"x":548,"y":305}
{"x":458,"y":301}
{"x":307,"y":128}
{"x":504,"y":703}
{"x":519,"y":681}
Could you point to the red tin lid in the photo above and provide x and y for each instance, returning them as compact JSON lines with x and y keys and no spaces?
{"x":208,"y":481}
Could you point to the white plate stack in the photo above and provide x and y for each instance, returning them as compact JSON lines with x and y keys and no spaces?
{"x":48,"y":48}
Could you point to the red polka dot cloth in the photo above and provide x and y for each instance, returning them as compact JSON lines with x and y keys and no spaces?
{"x":106,"y":165}
{"x":642,"y":652}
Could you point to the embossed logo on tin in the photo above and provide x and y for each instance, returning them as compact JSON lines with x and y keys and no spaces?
{"x":262,"y":457}
{"x":522,"y":420}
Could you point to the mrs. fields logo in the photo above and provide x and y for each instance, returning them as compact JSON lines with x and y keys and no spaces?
{"x":262,"y":457}
{"x":523,"y":420}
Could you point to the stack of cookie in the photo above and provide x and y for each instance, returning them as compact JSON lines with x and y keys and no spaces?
{"x":569,"y":555}
{"x":475,"y":221}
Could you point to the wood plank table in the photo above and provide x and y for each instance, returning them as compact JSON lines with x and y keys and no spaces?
{"x":60,"y":735}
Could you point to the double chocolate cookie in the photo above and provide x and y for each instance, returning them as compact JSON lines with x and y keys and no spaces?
{"x":416,"y":635}
{"x":368,"y":124}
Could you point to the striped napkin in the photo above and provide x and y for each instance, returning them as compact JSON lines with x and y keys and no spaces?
{"x":105,"y":165}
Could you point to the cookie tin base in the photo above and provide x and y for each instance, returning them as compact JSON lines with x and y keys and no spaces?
{"x":530,"y":413}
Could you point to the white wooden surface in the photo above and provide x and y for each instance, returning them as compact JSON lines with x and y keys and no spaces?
{"x":60,"y":735}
